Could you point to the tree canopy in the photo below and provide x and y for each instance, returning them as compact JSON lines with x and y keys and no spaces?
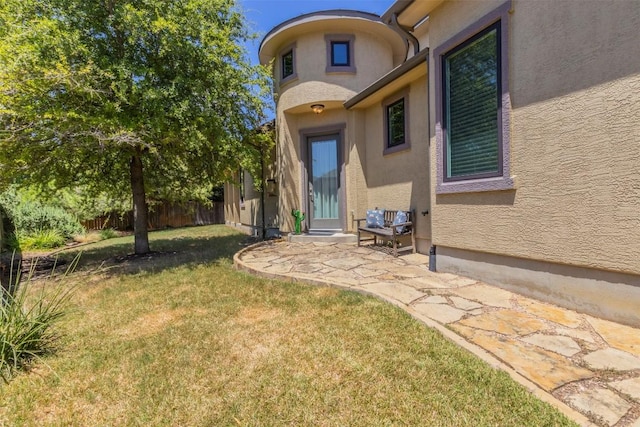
{"x":150,"y":98}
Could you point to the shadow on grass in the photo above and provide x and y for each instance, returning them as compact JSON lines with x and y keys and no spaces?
{"x":169,"y":249}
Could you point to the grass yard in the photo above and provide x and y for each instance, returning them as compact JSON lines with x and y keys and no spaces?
{"x":179,"y":338}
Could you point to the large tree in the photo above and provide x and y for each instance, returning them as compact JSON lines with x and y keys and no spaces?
{"x":153,"y":98}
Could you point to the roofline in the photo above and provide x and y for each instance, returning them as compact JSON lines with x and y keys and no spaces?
{"x":392,"y":75}
{"x":396,"y":9}
{"x":332,"y":12}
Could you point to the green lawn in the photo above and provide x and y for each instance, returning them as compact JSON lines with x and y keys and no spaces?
{"x":181,"y":339}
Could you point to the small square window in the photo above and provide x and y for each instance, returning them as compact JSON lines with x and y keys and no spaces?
{"x":395,"y":125}
{"x":340,"y":54}
{"x":340,"y":57}
{"x":287,"y":64}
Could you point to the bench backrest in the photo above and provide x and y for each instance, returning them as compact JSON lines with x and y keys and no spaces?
{"x":389,"y":216}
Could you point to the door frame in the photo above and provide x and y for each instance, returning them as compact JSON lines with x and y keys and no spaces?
{"x":305,"y":134}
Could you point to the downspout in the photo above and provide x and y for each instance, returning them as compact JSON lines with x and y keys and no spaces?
{"x":406,"y":35}
{"x":262,"y":203}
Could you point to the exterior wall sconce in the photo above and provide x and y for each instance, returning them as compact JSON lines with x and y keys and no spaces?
{"x":317,"y":108}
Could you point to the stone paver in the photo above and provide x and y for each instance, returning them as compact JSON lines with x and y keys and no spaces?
{"x":506,"y":322}
{"x":601,"y":402}
{"x":558,"y":344}
{"x":397,"y":292}
{"x":345,"y":263}
{"x":576,"y":333}
{"x":435,"y":299}
{"x":439,"y":312}
{"x":611,"y":358}
{"x":619,"y":336}
{"x":630,"y":386}
{"x":592,"y":365}
{"x":426,"y":282}
{"x":547,"y":369}
{"x":487,"y":295}
{"x":552,"y":313}
{"x":465,"y":304}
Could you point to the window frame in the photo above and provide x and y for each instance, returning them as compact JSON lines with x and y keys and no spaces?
{"x":289,"y":49}
{"x":335,"y":43}
{"x":388,"y":102}
{"x":348,"y":39}
{"x":242,"y":186}
{"x":491,"y":181}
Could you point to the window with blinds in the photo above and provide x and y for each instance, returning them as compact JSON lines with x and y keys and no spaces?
{"x":471,"y":97}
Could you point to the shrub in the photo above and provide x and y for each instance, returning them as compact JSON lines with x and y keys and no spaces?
{"x":108,"y":233}
{"x":27,"y":321}
{"x":32,"y":217}
{"x":41,"y":239}
{"x":37,"y":225}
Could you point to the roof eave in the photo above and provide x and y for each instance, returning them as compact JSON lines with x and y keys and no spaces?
{"x":388,"y":78}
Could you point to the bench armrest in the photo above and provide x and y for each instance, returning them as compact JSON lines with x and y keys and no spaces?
{"x":401,"y":224}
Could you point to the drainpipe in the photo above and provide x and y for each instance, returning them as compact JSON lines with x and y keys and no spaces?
{"x":406,"y":35}
{"x":432,"y":258}
{"x":262,"y":203}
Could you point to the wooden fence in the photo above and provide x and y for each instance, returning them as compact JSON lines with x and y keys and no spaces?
{"x":163,"y":215}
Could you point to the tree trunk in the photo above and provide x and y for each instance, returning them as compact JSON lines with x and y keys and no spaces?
{"x":139,"y":205}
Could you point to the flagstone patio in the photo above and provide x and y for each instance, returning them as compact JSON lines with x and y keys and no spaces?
{"x":587,"y":367}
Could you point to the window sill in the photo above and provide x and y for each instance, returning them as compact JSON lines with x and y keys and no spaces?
{"x":340,"y":69}
{"x":477,"y":185}
{"x":289,"y":79}
{"x":397,"y":149}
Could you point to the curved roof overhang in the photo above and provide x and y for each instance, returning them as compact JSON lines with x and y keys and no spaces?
{"x":410,"y":12}
{"x":338,"y":20}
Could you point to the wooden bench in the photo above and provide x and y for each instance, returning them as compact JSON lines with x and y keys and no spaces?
{"x":389,"y":231}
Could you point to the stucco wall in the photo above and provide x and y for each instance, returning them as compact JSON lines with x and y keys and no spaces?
{"x":231,"y":204}
{"x":400,"y":180}
{"x":248,"y":213}
{"x":313,"y":84}
{"x":574,"y":80}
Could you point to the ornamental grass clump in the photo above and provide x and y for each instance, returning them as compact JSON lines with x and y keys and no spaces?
{"x":27,"y":319}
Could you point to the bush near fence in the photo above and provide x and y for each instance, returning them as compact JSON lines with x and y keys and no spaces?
{"x":163,"y":215}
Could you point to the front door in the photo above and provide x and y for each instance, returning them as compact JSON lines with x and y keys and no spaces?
{"x":324,"y":183}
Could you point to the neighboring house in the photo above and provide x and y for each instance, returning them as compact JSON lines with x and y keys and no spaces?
{"x":249,"y":208}
{"x":243,"y":204}
{"x":512,"y":128}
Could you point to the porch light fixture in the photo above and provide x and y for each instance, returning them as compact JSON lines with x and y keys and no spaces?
{"x":317,"y":108}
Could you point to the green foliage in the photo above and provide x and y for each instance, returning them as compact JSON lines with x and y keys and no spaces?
{"x":87,"y":87}
{"x":27,"y":320}
{"x":38,"y":223}
{"x":108,"y":233}
{"x":41,"y":239}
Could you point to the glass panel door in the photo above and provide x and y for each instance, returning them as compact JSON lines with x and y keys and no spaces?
{"x":324,"y":183}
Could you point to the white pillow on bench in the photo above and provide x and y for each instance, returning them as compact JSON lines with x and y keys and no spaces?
{"x":375,"y":218}
{"x":401,"y":217}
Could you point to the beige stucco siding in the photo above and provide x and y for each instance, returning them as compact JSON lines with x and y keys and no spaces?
{"x":400,"y":180}
{"x":575,"y":139}
{"x":373,"y":58}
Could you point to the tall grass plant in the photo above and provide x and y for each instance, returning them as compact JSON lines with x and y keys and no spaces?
{"x":27,"y":319}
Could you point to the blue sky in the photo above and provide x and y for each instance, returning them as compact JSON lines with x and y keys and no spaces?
{"x":263,"y":15}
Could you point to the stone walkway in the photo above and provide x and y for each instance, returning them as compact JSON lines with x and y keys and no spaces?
{"x":587,"y":367}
